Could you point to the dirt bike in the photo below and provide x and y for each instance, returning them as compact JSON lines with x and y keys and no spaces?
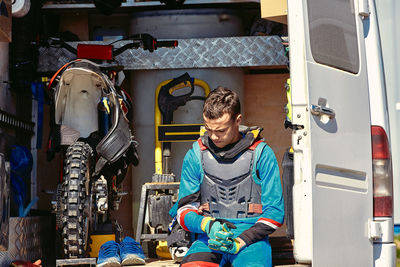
{"x":89,"y":125}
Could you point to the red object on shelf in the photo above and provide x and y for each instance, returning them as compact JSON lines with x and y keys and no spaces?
{"x":91,"y":51}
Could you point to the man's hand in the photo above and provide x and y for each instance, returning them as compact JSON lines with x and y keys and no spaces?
{"x":220,"y":235}
{"x":222,"y":238}
{"x":232,"y":247}
{"x":38,"y":263}
{"x":224,"y":242}
{"x":212,"y":226}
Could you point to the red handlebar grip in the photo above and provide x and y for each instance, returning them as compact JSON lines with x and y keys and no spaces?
{"x":172,"y":43}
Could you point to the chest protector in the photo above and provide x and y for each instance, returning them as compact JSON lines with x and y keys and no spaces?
{"x":228,"y":189}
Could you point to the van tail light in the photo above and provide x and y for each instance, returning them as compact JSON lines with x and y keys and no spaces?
{"x":382,"y":173}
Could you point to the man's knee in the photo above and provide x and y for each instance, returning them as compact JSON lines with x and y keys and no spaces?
{"x":199,"y":264}
{"x":204,"y":259}
{"x":256,"y":255}
{"x":252,"y":264}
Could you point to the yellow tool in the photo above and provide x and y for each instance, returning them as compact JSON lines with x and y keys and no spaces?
{"x":158,"y":118}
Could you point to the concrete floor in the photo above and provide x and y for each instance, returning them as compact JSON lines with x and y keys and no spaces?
{"x":161,"y":263}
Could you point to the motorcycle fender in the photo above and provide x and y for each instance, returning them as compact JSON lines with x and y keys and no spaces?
{"x":115,"y":143}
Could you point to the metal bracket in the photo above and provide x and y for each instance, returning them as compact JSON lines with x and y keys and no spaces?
{"x":374,"y":230}
{"x":140,"y":237}
{"x":75,"y":262}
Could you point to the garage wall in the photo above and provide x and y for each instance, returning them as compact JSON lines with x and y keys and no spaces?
{"x":264,"y":99}
{"x":7,"y":102}
{"x":77,"y":23}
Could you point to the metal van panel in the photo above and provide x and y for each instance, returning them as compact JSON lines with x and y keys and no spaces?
{"x":302,"y":188}
{"x":341,"y":179}
{"x":192,"y":53}
{"x":389,"y":23}
{"x":376,"y":76}
{"x":384,"y":255}
{"x":329,"y":220}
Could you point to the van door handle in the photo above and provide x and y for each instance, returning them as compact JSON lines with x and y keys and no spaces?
{"x":318,"y":110}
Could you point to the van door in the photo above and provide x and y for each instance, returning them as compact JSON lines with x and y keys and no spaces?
{"x":332,"y":194}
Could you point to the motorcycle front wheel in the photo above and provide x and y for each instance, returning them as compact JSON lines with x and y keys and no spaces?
{"x":76,"y":200}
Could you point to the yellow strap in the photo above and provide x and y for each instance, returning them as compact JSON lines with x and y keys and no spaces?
{"x":204,"y":223}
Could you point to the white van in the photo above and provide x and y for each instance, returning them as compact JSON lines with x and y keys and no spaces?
{"x":389,"y":23}
{"x":342,"y":193}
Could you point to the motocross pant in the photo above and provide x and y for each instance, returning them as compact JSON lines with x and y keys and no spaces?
{"x":256,"y":255}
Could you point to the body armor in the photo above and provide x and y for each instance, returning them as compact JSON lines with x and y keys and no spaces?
{"x":228,"y":189}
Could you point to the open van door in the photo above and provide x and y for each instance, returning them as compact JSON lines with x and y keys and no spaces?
{"x":333,"y":191}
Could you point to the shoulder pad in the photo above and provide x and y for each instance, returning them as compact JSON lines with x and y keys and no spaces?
{"x":255,"y":144}
{"x":201,"y":145}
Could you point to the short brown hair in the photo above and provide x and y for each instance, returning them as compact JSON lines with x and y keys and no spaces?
{"x":220,"y":101}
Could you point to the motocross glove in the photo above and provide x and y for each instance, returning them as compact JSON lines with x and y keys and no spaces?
{"x":222,"y":238}
{"x":231,"y":246}
{"x":211,"y":226}
{"x":224,"y":242}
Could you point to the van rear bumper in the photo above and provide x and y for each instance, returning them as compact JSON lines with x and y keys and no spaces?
{"x":385,"y":254}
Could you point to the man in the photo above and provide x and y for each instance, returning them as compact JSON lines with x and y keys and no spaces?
{"x":230,"y":191}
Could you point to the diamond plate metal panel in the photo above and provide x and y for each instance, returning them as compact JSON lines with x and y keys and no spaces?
{"x":248,"y":51}
{"x":4,"y":202}
{"x":30,"y":239}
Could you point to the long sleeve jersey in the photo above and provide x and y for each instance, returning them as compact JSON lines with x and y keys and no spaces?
{"x":253,"y":229}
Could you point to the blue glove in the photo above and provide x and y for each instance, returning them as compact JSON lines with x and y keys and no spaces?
{"x":224,"y":242}
{"x":212,"y":226}
{"x":231,"y":246}
{"x":222,"y":238}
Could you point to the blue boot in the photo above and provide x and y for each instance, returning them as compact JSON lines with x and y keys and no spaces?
{"x":109,"y":255}
{"x":131,"y":252}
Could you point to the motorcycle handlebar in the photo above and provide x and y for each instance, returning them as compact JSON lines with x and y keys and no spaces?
{"x":142,"y":40}
{"x":118,"y":51}
{"x":154,"y":45}
{"x":60,"y":42}
{"x":167,"y":44}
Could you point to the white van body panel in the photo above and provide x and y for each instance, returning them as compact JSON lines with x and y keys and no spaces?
{"x":389,"y":25}
{"x":332,"y":194}
{"x":376,"y":77}
{"x":384,"y":249}
{"x":302,"y":190}
{"x":385,"y":254}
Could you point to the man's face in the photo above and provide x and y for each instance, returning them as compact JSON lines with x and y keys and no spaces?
{"x":224,"y":130}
